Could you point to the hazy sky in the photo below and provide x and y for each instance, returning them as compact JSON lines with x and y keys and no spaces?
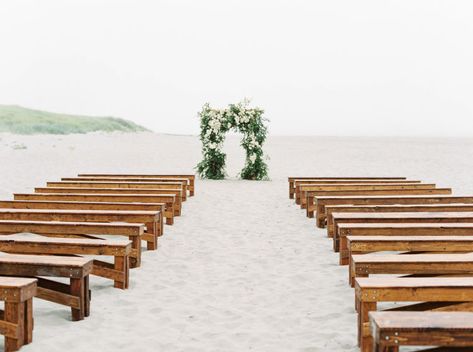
{"x":332,"y":67}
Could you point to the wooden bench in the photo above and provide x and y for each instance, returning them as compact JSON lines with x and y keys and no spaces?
{"x":190,"y":178}
{"x":151,"y":219}
{"x":120,"y":250}
{"x":303,"y":189}
{"x":76,"y":269}
{"x":457,"y":292}
{"x":365,"y":265}
{"x":369,"y":244}
{"x":182,"y":181}
{"x":390,"y":330}
{"x":79,"y":230}
{"x":298,"y":183}
{"x":293,"y":178}
{"x":396,"y":208}
{"x":103,"y":198}
{"x":400,"y":230}
{"x":71,"y":205}
{"x":171,"y":196}
{"x":312,"y":195}
{"x":16,"y":320}
{"x":122,"y":184}
{"x":391,"y":218}
{"x":322,"y":202}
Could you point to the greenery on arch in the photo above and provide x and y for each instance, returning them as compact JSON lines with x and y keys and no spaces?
{"x":215,"y":123}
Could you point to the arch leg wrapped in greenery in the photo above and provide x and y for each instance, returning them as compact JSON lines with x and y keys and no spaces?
{"x":215,"y":123}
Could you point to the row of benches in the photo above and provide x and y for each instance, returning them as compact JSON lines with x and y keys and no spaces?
{"x":65,"y":220}
{"x":431,"y":232}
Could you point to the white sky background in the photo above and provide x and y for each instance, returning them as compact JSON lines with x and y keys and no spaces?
{"x":332,"y":67}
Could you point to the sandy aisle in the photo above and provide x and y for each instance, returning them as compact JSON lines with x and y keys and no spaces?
{"x":243,"y":269}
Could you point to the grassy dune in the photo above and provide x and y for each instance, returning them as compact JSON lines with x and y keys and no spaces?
{"x":19,"y":120}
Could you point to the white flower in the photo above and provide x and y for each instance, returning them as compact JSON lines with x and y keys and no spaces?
{"x":253,"y":158}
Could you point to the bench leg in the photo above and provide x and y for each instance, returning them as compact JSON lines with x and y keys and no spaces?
{"x":169,"y":215}
{"x":121,"y":264}
{"x":191,"y":188}
{"x":152,"y":229}
{"x":86,"y":296}
{"x":135,"y":261}
{"x":77,"y":290}
{"x":28,"y":334}
{"x":364,"y":338}
{"x":14,"y":313}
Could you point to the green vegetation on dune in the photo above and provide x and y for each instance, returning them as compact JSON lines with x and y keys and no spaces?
{"x":19,"y":120}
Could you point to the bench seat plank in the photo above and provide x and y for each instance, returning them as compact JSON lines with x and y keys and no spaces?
{"x":182,"y":186}
{"x":189,"y":177}
{"x":105,"y":198}
{"x":171,"y":196}
{"x":303,"y":188}
{"x":395,"y":329}
{"x":311,"y":196}
{"x":292,"y":179}
{"x":414,"y":264}
{"x":323,"y":201}
{"x":419,"y":217}
{"x":397,"y":229}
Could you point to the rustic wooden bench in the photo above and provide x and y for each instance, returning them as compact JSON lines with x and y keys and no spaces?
{"x":103,"y":198}
{"x":365,"y":265}
{"x":312,"y":195}
{"x":151,"y":219}
{"x":71,"y":205}
{"x":369,"y":244}
{"x":182,"y":181}
{"x":370,"y":291}
{"x":299,"y":183}
{"x":396,"y":229}
{"x":293,"y":178}
{"x":76,"y":269}
{"x":323,"y":201}
{"x":405,"y":218}
{"x":122,"y":184}
{"x":120,"y":250}
{"x":390,"y":330}
{"x":392,"y":217}
{"x":190,"y":178}
{"x":303,"y":189}
{"x":396,"y":208}
{"x":79,"y":230}
{"x":16,"y":320}
{"x":165,"y":195}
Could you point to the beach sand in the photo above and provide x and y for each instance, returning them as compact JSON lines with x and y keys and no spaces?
{"x":243,"y":269}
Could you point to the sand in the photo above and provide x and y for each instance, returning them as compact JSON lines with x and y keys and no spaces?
{"x":242,"y":269}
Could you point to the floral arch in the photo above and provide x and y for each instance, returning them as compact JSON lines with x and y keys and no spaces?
{"x":215,"y":123}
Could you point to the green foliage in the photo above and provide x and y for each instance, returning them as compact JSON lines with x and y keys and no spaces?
{"x":214,"y":124}
{"x":18,"y":120}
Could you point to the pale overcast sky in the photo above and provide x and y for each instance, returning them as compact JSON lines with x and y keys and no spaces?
{"x":331,"y":67}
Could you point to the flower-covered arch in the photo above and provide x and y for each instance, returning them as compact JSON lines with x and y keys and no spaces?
{"x":215,"y":123}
